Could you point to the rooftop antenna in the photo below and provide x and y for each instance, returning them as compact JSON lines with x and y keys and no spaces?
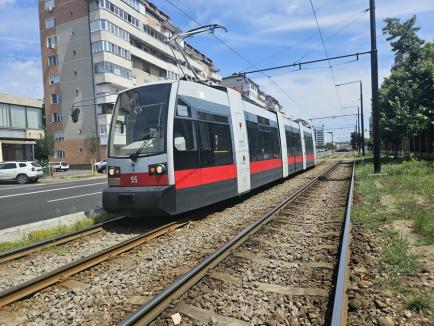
{"x":175,"y":42}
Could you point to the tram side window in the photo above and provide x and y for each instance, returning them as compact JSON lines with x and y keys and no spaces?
{"x":276,"y":142}
{"x":215,"y":144}
{"x":185,"y":146}
{"x":267,"y":141}
{"x":255,"y":141}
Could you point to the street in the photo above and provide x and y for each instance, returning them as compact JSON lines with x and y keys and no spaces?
{"x":22,"y":204}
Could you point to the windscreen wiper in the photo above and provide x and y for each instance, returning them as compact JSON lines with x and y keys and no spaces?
{"x":147,"y":138}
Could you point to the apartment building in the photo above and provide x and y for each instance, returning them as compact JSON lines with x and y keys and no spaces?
{"x":20,"y":127}
{"x":92,"y":49}
{"x":246,"y":87}
{"x":320,"y":136}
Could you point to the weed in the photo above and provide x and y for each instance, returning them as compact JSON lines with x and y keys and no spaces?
{"x":397,"y":255}
{"x":39,"y":235}
{"x":59,"y":250}
{"x":420,"y":303}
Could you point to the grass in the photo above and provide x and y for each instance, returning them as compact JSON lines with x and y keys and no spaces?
{"x":404,"y":191}
{"x":397,"y":255}
{"x":409,"y":188}
{"x":43,"y":234}
{"x":420,"y":303}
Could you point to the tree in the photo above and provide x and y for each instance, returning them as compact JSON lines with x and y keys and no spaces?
{"x":44,"y":146}
{"x":407,"y":95}
{"x":402,"y":36}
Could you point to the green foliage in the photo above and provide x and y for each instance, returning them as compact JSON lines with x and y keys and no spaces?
{"x":407,"y":95}
{"x":44,"y":146}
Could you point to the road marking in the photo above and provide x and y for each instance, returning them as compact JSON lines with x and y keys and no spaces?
{"x":48,"y":190}
{"x":93,"y":193}
{"x":41,"y":184}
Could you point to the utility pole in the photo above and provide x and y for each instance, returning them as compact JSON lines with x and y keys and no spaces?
{"x":363,"y":123}
{"x":358,"y":130}
{"x":374,"y":83}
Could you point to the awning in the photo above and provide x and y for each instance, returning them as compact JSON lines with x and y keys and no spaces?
{"x":17,"y":142}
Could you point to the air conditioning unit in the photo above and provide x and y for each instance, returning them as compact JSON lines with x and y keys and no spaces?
{"x":50,"y":8}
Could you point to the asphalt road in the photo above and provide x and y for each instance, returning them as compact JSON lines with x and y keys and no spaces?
{"x":22,"y":204}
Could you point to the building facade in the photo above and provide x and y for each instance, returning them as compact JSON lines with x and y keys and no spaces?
{"x":247,"y":87}
{"x":20,"y":126}
{"x":92,"y":49}
{"x":322,"y":136}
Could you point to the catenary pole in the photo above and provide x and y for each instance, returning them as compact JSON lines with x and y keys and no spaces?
{"x":374,"y":83}
{"x":363,"y":123}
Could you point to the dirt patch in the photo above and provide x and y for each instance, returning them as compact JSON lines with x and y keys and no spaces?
{"x":388,"y":201}
{"x":405,"y":229}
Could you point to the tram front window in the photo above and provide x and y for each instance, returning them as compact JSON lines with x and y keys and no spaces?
{"x":139,"y":122}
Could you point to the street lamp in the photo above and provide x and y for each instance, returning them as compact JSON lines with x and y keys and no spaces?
{"x":333,"y":143}
{"x":361,"y":111}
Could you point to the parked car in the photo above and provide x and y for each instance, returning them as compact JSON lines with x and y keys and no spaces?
{"x":101,"y":166}
{"x":59,"y":166}
{"x":20,"y":171}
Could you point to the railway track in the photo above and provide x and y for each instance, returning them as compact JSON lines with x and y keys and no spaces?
{"x":43,"y":281}
{"x":287,"y":267}
{"x":139,"y":273}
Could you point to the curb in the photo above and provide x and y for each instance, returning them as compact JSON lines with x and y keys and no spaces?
{"x":17,"y":233}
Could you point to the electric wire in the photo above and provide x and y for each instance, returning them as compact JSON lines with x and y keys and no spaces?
{"x":350,"y":20}
{"x":241,"y":57}
{"x":326,"y":53}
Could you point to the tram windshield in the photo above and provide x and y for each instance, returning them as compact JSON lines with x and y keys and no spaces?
{"x":139,"y":122}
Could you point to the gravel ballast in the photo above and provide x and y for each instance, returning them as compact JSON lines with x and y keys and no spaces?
{"x":109,"y":291}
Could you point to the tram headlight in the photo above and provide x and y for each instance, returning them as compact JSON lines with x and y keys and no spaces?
{"x":113,"y":171}
{"x":158,"y":169}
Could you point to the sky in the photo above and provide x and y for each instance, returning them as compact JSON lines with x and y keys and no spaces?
{"x":259,"y":34}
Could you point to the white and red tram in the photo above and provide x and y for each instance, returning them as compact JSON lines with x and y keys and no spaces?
{"x":176,"y":146}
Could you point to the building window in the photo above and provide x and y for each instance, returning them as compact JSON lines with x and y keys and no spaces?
{"x":57,"y":117}
{"x":4,"y":115}
{"x":34,"y":118}
{"x":106,"y":46}
{"x":49,"y":4}
{"x":59,"y":136}
{"x":54,"y":79}
{"x":104,"y":25}
{"x":103,"y":129}
{"x":108,"y":67}
{"x":50,"y":22}
{"x":74,"y":52}
{"x":75,"y":73}
{"x":51,"y":42}
{"x":77,"y":92}
{"x":60,"y":153}
{"x":53,"y":60}
{"x":55,"y":98}
{"x":18,"y":117}
{"x":118,"y":12}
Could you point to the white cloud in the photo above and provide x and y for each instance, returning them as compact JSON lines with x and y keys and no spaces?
{"x":21,"y":77}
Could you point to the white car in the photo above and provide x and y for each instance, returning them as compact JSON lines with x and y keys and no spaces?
{"x":101,"y":166}
{"x":59,"y":166}
{"x":20,"y":171}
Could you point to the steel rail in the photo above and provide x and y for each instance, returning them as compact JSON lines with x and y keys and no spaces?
{"x":339,"y":313}
{"x":153,"y":308}
{"x":67,"y":237}
{"x":43,"y":281}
